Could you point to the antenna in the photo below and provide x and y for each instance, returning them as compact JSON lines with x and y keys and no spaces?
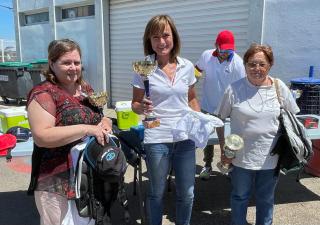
{"x":7,"y":7}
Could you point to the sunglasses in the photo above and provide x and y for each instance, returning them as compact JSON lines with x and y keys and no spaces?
{"x":226,"y":51}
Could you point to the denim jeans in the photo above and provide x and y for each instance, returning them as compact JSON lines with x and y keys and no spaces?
{"x":159,"y":159}
{"x":264,"y":182}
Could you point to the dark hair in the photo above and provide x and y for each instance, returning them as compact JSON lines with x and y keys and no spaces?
{"x":56,"y":49}
{"x":255,"y":48}
{"x":157,"y":25}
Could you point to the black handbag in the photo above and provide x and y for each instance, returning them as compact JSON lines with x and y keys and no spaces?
{"x":293,"y":146}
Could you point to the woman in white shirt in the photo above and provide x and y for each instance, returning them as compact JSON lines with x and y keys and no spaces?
{"x":253,"y":107}
{"x":171,"y":93}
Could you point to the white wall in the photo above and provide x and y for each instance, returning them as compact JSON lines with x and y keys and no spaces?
{"x":84,"y":32}
{"x":34,"y":41}
{"x":292,"y":29}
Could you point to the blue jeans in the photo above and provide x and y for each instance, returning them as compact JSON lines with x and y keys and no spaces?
{"x":159,"y":159}
{"x":242,"y":181}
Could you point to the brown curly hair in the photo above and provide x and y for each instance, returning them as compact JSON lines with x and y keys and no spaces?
{"x":56,"y":49}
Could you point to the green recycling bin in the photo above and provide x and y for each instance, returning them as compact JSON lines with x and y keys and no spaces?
{"x":15,"y":81}
{"x":38,"y":66}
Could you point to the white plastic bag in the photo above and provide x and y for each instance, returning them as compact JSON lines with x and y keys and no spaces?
{"x":72,"y":217}
{"x":196,"y":126}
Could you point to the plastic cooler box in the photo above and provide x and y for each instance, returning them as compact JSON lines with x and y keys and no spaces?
{"x":16,"y":116}
{"x":126,"y":118}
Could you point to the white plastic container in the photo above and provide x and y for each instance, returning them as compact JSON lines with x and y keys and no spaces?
{"x":15,"y":116}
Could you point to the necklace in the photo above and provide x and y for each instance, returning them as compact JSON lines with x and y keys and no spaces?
{"x":258,"y":100}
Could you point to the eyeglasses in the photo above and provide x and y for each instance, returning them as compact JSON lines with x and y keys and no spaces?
{"x":253,"y":65}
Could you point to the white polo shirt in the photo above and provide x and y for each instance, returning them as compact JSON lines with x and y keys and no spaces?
{"x":170,"y":99}
{"x":217,"y":77}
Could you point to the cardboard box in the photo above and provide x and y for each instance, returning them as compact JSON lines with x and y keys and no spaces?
{"x":15,"y":116}
{"x":126,"y":118}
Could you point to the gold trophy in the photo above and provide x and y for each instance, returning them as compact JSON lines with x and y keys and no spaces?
{"x":98,"y":99}
{"x":145,"y":69}
{"x":233,"y":143}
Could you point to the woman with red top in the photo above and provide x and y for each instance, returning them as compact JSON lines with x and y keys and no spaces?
{"x":60,"y":115}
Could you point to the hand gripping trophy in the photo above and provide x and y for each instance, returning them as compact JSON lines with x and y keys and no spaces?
{"x":145,"y":69}
{"x":233,"y":143}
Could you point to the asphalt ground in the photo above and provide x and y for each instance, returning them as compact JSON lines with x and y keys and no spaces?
{"x":296,"y":203}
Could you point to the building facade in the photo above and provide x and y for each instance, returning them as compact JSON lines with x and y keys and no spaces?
{"x":110,"y":32}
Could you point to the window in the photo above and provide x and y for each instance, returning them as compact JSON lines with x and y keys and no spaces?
{"x":80,"y":11}
{"x":36,"y":18}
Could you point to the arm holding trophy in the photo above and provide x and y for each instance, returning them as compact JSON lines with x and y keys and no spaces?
{"x":230,"y":145}
{"x":145,"y":69}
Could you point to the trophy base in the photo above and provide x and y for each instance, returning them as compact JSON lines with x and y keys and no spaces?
{"x":224,"y":168}
{"x":151,"y":123}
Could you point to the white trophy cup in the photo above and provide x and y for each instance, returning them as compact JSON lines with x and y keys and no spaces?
{"x":233,"y":143}
{"x":145,"y":69}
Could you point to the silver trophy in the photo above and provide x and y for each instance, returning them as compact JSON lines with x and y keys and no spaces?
{"x":233,"y":143}
{"x":145,"y":68}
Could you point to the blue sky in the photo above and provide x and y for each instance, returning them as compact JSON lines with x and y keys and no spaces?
{"x":6,"y":21}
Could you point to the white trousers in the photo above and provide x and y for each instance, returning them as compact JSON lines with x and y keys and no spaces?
{"x":55,"y":209}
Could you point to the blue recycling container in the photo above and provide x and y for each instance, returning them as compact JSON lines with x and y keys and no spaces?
{"x":309,"y":87}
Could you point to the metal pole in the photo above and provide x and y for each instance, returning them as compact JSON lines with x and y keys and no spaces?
{"x":2,"y":49}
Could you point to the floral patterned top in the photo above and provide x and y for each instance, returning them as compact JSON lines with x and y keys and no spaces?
{"x":52,"y":169}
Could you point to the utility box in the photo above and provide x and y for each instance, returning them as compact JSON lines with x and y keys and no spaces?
{"x":11,"y":117}
{"x":126,"y":118}
{"x":15,"y":81}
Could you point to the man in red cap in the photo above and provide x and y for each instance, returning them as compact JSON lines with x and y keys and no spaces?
{"x":222,"y":66}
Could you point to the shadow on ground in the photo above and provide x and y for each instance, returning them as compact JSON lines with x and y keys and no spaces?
{"x":211,"y":205}
{"x":17,"y":208}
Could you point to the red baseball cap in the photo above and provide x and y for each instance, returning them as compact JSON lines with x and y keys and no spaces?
{"x":225,"y":40}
